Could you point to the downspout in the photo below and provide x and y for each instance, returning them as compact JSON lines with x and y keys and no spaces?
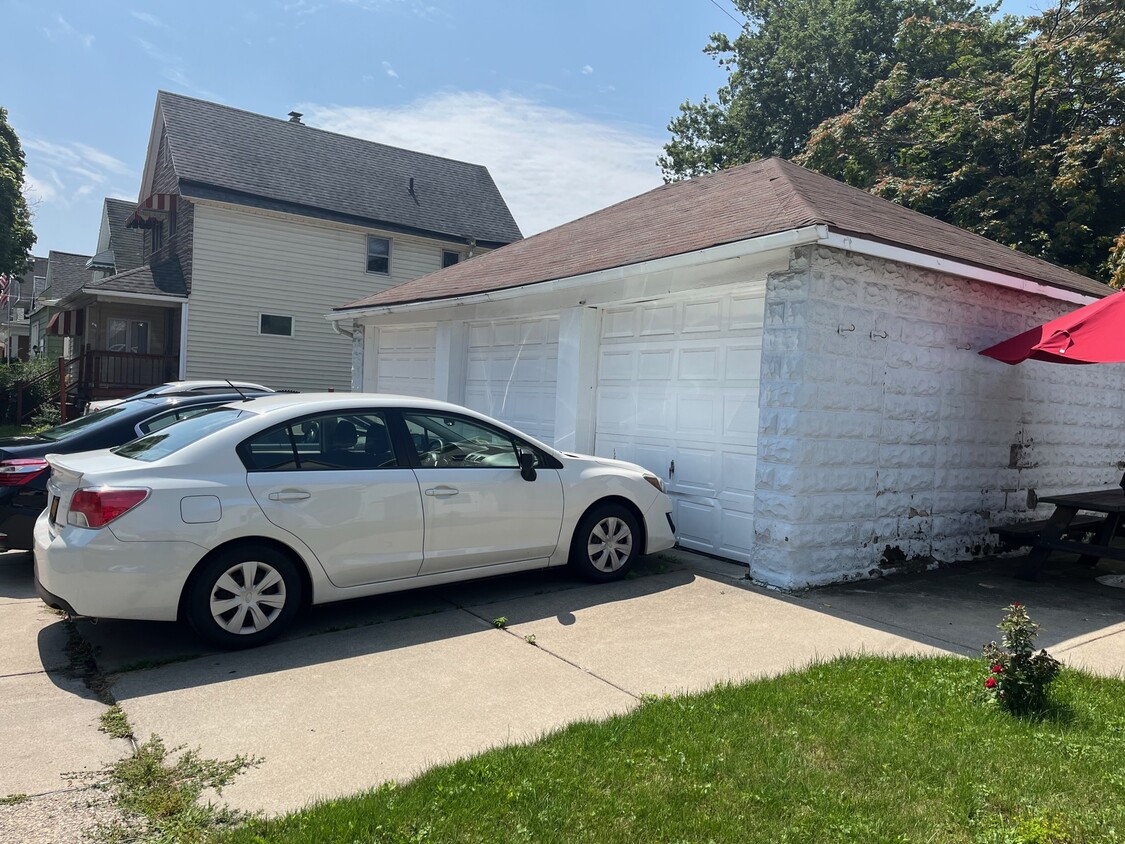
{"x":336,"y":327}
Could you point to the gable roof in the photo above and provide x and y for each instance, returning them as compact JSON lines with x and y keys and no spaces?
{"x":127,"y":244}
{"x":224,"y":153}
{"x":752,"y":200}
{"x":66,"y":272}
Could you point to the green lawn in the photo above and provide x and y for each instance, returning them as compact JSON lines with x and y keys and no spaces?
{"x":857,"y":750}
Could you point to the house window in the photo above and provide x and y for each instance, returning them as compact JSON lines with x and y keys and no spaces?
{"x":157,"y":236}
{"x":276,"y":324}
{"x":449,"y":258}
{"x":127,"y":335}
{"x":378,"y":255}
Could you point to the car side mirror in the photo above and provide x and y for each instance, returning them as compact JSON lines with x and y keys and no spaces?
{"x":527,"y":465}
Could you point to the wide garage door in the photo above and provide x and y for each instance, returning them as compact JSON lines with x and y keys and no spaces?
{"x":511,"y":370}
{"x":406,"y":361}
{"x":678,"y":393}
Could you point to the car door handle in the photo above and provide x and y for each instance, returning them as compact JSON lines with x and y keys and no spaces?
{"x":441,"y":491}
{"x":290,"y":495}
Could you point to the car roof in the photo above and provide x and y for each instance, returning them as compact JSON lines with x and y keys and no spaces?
{"x":150,"y":404}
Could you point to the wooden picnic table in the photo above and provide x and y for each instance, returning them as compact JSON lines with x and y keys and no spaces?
{"x":1053,"y":537}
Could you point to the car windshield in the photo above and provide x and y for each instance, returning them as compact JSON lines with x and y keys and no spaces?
{"x":61,"y":432}
{"x":171,"y":439}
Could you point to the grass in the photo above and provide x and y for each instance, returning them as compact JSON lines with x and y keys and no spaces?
{"x":862,"y":749}
{"x":115,"y":724}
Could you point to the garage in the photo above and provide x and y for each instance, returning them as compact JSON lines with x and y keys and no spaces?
{"x":677,"y":393}
{"x":511,"y":370}
{"x":406,"y":361}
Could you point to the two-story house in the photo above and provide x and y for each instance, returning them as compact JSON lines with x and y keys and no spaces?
{"x":252,"y":229}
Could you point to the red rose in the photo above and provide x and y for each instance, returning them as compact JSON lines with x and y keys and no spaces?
{"x":990,"y":683}
{"x":996,"y":669}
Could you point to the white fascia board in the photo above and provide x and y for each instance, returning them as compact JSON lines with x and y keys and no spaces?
{"x":116,"y":296}
{"x":944,"y":265}
{"x":700,"y":257}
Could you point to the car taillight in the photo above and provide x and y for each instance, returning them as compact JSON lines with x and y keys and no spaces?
{"x":19,"y":472}
{"x":96,"y":508}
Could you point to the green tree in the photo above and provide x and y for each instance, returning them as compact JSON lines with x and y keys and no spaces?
{"x":795,"y":64}
{"x":1014,"y":132}
{"x":16,"y":236}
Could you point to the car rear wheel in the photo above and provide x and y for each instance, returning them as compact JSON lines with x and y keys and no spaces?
{"x":244,"y":597}
{"x":605,"y":544}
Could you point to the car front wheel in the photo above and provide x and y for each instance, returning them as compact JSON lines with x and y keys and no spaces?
{"x":244,"y":597}
{"x":605,"y":544}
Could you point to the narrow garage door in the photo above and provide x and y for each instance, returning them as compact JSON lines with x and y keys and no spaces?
{"x":406,"y":361}
{"x":511,"y":370}
{"x":678,"y":393}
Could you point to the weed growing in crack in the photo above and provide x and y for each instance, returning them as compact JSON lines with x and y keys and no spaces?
{"x":115,"y":724}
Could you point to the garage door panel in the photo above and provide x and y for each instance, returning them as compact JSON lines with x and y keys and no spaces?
{"x":406,"y":361}
{"x":736,"y":533}
{"x":679,"y":381}
{"x":511,"y":373}
{"x":697,"y":523}
{"x":740,"y":418}
{"x":696,"y":472}
{"x":655,"y":364}
{"x":700,"y":364}
{"x":702,"y":316}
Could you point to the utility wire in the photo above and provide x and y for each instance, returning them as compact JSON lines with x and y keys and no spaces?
{"x":728,"y":14}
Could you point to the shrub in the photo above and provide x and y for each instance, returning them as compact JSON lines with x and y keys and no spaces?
{"x":1017,"y":676}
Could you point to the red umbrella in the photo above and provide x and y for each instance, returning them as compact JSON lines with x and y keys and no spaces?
{"x":1094,"y":333}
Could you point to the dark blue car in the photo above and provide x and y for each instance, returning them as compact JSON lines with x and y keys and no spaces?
{"x":24,"y":471}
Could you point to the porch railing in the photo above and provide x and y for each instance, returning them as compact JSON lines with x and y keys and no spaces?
{"x":97,"y":374}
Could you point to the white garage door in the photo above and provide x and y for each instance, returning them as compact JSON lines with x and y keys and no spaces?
{"x":406,"y":361}
{"x":678,"y":393}
{"x":511,"y":370}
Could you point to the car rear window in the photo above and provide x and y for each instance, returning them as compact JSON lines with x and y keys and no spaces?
{"x":171,"y":439}
{"x":67,"y":429}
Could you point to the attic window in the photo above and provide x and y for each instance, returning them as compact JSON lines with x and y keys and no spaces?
{"x":378,"y":255}
{"x":449,"y":258}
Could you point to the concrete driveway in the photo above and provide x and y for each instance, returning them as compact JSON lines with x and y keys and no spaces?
{"x":382,"y":688}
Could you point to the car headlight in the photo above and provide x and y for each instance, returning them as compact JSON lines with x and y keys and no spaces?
{"x":655,"y":481}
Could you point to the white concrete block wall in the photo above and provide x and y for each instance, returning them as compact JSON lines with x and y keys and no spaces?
{"x":887,"y":440}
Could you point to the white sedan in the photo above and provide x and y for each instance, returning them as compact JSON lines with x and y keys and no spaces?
{"x":234,"y":519}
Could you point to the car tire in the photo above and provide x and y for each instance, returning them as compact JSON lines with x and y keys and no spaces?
{"x":605,"y":544}
{"x":213,"y":602}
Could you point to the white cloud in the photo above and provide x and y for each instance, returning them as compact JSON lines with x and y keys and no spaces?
{"x":551,"y":165}
{"x":62,"y":174}
{"x":390,"y":71}
{"x":587,"y":70}
{"x":150,"y":19}
{"x":63,"y":29}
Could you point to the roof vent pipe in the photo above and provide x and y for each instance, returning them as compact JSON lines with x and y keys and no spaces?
{"x":295,"y":117}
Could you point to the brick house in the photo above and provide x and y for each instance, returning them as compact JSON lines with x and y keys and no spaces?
{"x":797,"y":358}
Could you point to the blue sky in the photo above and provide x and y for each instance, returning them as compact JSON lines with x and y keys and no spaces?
{"x":567,"y":104}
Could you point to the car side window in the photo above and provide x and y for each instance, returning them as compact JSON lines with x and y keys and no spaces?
{"x":445,"y":441}
{"x":328,"y":441}
{"x":164,"y":420}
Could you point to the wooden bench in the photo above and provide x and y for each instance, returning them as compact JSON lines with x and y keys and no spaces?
{"x":1025,"y":533}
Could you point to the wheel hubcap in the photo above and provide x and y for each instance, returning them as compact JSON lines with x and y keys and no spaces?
{"x":247,"y":598}
{"x":611,"y":543}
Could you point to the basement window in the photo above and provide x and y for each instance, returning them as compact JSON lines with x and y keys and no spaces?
{"x":275,"y":324}
{"x":379,"y":255}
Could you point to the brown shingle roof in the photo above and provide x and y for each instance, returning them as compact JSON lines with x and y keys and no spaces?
{"x":760,"y":198}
